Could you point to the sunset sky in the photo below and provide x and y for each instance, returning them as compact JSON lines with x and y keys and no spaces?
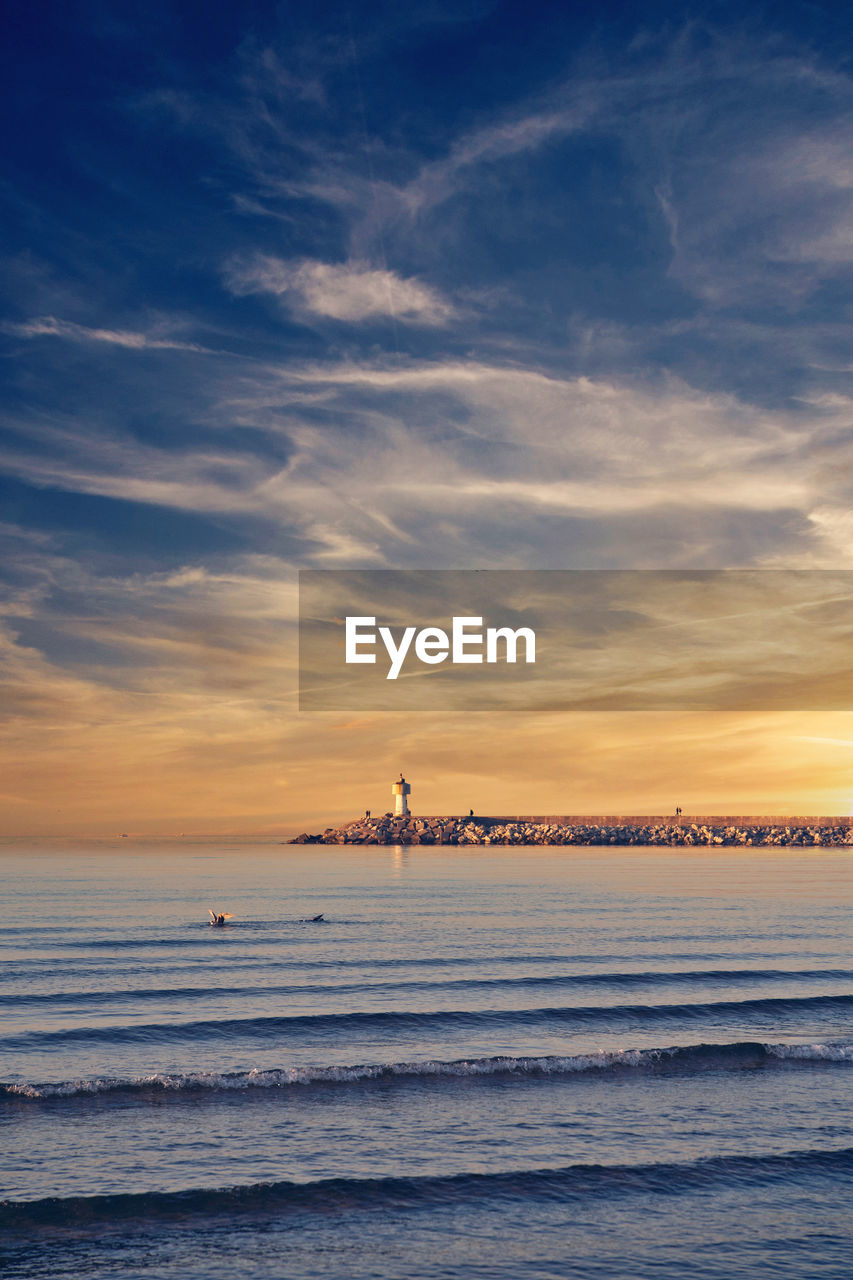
{"x":439,"y":285}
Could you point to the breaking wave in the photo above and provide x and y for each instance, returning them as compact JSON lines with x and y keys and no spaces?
{"x":741,"y":1055}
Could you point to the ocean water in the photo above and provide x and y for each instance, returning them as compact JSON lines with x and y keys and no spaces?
{"x":621,"y":1064}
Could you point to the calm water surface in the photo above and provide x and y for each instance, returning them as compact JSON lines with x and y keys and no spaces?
{"x":609,"y":1063}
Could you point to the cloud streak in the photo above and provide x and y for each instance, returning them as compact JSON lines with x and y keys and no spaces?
{"x":51,"y":327}
{"x":377,"y":453}
{"x":350,"y":292}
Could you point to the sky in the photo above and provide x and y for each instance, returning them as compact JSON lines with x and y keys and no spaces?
{"x":465,"y":285}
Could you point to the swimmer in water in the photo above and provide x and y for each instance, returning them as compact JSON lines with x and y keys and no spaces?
{"x":218,"y":918}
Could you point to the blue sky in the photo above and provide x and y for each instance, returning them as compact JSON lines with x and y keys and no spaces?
{"x":437,"y":286}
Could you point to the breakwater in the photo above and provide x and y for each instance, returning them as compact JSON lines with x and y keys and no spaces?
{"x":675,"y":832}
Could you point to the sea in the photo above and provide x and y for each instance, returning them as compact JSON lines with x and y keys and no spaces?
{"x":496,"y":1063}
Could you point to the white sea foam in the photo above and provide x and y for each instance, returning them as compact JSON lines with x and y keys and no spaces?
{"x":812,"y":1052}
{"x":694,"y":1056}
{"x":283,"y":1076}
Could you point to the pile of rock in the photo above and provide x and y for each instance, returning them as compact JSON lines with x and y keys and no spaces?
{"x":388,"y":829}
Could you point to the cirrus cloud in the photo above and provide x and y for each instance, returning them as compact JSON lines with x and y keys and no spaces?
{"x":51,"y":327}
{"x":349,"y":291}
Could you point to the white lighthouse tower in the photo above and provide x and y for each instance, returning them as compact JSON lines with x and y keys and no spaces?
{"x":401,"y":791}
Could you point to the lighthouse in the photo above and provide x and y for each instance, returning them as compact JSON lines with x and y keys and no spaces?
{"x":401,"y":791}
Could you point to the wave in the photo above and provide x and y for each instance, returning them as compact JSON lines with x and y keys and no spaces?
{"x":740,"y":1055}
{"x":646,"y":978}
{"x":565,"y":1185}
{"x":25,"y":968}
{"x":254,"y":934}
{"x":266,"y":1027}
{"x":578,"y":980}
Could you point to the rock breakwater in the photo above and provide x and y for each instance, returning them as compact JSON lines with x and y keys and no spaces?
{"x":390,"y":830}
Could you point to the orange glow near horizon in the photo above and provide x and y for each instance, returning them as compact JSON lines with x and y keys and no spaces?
{"x":239,"y":769}
{"x":197,"y":731}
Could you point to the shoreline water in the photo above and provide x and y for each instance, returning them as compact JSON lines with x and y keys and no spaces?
{"x":652,"y":831}
{"x":589,"y":1053}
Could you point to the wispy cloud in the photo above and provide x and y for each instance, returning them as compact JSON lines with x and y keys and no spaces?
{"x":350,"y":291}
{"x":514,"y":136}
{"x":51,"y":327}
{"x":379,"y":454}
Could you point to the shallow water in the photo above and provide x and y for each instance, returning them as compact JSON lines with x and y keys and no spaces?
{"x":488,"y":1063}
